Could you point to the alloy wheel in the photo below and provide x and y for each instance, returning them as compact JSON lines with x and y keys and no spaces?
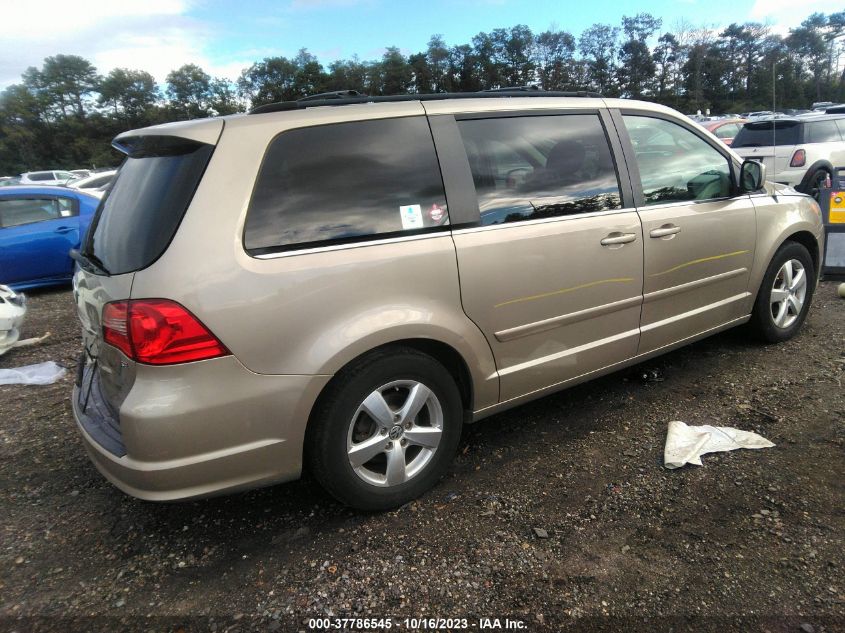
{"x":789,"y":291}
{"x":394,"y":433}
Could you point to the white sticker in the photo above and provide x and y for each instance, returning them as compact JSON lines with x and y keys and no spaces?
{"x":412,"y":217}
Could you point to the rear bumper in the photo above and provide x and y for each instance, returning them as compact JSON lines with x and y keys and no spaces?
{"x":205,"y":428}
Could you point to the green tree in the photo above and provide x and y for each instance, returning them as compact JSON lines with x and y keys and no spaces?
{"x":437,"y":58}
{"x":554,"y":52}
{"x":394,"y":73}
{"x":268,"y":81}
{"x":598,"y":45}
{"x":189,"y":91}
{"x":637,"y":67}
{"x":130,"y":94}
{"x":349,"y":74}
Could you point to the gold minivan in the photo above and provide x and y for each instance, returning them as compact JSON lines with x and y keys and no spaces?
{"x":340,"y":283}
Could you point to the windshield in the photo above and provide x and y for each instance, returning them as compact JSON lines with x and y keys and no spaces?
{"x":149,"y":196}
{"x":768,"y":133}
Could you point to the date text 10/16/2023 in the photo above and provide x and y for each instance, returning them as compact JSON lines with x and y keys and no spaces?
{"x":416,"y":624}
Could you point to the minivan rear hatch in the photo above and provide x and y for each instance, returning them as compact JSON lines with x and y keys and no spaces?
{"x":132,"y":228}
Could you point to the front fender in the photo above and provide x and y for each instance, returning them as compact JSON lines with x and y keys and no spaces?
{"x":778,"y":219}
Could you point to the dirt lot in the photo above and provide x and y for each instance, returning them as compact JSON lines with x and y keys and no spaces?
{"x":752,"y":541}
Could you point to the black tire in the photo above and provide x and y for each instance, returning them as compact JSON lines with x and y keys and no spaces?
{"x":332,"y":428}
{"x":763,"y":316}
{"x":814,"y":183}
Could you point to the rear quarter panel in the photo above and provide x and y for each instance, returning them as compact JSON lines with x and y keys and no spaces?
{"x":308,"y":313}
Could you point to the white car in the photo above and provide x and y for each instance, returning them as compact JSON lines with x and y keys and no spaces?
{"x":802,"y":151}
{"x":54,"y":177}
{"x":95,"y":184}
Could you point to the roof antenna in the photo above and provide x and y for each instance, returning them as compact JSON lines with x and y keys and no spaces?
{"x":774,"y":127}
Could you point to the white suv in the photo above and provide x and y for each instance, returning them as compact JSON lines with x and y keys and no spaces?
{"x":800,"y":151}
{"x":47,"y":177}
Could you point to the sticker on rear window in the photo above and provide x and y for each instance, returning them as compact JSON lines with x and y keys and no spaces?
{"x":412,"y":217}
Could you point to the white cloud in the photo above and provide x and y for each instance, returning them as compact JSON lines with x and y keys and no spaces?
{"x":153,"y":35}
{"x":786,"y":14}
{"x":51,"y":18}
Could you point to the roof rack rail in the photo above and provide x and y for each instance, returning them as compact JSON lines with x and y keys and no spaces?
{"x":343,"y":97}
{"x":337,"y":94}
{"x":515,"y":89}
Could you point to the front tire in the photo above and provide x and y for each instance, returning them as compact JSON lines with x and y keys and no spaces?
{"x":387,"y":429}
{"x":785,"y":294}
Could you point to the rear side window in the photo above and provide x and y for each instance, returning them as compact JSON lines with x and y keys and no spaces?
{"x":346,"y":182}
{"x":768,"y":133}
{"x":39,"y":176}
{"x":823,"y":132}
{"x":18,"y":211}
{"x":149,"y":196}
{"x":533,"y":167}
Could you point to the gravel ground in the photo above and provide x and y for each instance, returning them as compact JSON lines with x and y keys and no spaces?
{"x":557,"y":515}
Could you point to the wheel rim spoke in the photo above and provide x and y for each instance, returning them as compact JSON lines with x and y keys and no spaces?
{"x":396,"y":471}
{"x":787,"y":274}
{"x":376,"y":407}
{"x":425,"y":436}
{"x":779,"y":295}
{"x":362,"y":452}
{"x":780,"y":318}
{"x":417,"y":398}
{"x":799,"y":280}
{"x":795,"y":304}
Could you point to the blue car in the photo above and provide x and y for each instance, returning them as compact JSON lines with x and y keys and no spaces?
{"x":39,"y":225}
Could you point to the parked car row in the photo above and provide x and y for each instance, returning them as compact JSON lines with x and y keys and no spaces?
{"x":96,"y":181}
{"x":802,"y":151}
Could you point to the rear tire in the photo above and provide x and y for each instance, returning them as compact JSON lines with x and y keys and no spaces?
{"x":785,"y":294}
{"x":387,"y":429}
{"x":814,"y":183}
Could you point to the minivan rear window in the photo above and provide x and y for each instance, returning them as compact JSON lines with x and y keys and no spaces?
{"x":148,"y":198}
{"x":768,"y":133}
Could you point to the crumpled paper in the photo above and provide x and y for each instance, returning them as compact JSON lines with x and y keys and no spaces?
{"x":38,"y":374}
{"x":686,"y":444}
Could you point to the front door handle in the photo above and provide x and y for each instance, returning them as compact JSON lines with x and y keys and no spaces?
{"x":618,"y":238}
{"x":64,"y":229}
{"x":665,"y":230}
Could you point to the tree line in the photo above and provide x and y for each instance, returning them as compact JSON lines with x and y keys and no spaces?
{"x":64,"y":114}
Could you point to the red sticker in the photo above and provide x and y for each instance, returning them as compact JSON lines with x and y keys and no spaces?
{"x":436,"y":213}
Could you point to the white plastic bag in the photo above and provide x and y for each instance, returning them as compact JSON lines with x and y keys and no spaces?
{"x":686,"y":444}
{"x":39,"y":374}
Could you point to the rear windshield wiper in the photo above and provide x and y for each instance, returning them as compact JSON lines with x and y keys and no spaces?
{"x":89,"y":262}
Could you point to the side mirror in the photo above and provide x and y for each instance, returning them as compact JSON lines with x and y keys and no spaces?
{"x":752,"y":175}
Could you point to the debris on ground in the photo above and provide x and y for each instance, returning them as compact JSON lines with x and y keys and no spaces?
{"x":38,"y":374}
{"x":653,"y":375}
{"x":686,"y":444}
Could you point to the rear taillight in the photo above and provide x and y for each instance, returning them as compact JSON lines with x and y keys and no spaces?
{"x":158,"y":332}
{"x":798,"y":158}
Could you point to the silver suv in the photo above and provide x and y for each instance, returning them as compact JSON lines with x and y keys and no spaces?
{"x":342,"y":283}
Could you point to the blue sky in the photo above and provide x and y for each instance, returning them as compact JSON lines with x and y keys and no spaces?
{"x":224,"y":36}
